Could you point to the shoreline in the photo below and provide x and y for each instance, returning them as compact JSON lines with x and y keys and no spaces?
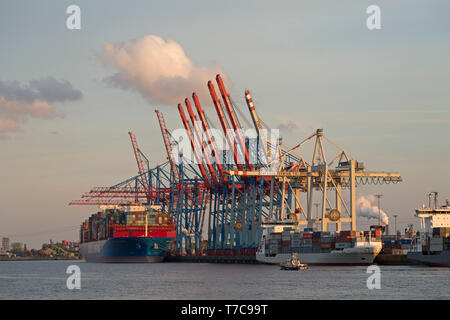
{"x":38,"y":258}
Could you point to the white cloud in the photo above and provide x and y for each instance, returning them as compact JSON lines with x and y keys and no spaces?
{"x":159,"y":70}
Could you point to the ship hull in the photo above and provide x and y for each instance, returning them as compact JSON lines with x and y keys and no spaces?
{"x":436,"y":260}
{"x":322,"y":259}
{"x":126,"y":250}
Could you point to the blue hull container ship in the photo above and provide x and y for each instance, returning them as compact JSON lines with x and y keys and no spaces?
{"x":117,"y":236}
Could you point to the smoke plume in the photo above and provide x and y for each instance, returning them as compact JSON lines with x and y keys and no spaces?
{"x":367,"y":207}
{"x":159,"y":70}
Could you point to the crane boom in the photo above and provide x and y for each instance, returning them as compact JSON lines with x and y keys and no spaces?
{"x":224,"y":124}
{"x":194,"y":147}
{"x":137,"y":153}
{"x":233,"y":120}
{"x":201,"y":142}
{"x":257,"y":123}
{"x":210,"y":141}
{"x":140,"y":164}
{"x":164,"y":132}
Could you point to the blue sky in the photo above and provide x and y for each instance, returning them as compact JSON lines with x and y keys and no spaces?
{"x":382,"y":95}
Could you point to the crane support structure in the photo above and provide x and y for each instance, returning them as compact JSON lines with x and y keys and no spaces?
{"x":323,"y":176}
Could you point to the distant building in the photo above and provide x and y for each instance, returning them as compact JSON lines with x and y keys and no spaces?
{"x":16,"y":247}
{"x":5,"y":244}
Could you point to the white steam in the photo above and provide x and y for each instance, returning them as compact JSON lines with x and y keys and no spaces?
{"x":367,"y":207}
{"x":159,"y":70}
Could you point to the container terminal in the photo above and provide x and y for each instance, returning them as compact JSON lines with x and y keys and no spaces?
{"x":248,"y":200}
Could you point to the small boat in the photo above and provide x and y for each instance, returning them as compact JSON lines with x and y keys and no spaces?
{"x":293,"y":264}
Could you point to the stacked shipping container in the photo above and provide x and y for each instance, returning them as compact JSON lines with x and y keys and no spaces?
{"x":291,"y":240}
{"x":118,"y":223}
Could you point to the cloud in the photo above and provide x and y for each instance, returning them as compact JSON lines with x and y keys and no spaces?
{"x":46,"y":89}
{"x":296,"y":124}
{"x":366,"y":207}
{"x":8,"y":125}
{"x":288,"y":126}
{"x":18,"y":103}
{"x":52,"y":90}
{"x":159,"y":70}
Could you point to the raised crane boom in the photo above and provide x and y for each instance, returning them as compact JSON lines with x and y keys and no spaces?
{"x":173,"y":165}
{"x":257,"y":123}
{"x":210,"y":141}
{"x":224,"y":124}
{"x":140,"y":163}
{"x":137,"y":153}
{"x":233,"y":120}
{"x":194,"y":147}
{"x":201,"y":142}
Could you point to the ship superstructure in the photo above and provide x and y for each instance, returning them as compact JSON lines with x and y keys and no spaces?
{"x":432,"y":245}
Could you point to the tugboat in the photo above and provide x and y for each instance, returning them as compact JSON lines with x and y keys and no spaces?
{"x":293,"y":264}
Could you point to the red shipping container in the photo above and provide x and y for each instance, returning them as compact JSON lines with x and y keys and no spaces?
{"x":343,"y":239}
{"x":307,"y":236}
{"x":119,"y":234}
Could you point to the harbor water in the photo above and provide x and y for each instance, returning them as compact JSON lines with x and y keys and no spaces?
{"x":47,"y":280}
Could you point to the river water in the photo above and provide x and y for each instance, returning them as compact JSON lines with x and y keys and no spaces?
{"x":47,"y":280}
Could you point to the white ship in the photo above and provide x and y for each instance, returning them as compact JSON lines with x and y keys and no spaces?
{"x":361,"y":250}
{"x":432,"y":245}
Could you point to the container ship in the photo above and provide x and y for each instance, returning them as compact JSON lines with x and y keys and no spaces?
{"x":279,"y":241}
{"x":395,"y":250}
{"x":432,"y":244}
{"x":126,"y":234}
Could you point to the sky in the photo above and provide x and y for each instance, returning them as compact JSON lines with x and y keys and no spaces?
{"x":69,"y":97}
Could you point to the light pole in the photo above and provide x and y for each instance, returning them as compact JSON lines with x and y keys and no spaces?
{"x":395,"y":225}
{"x":317,"y":214}
{"x":379,"y":209}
